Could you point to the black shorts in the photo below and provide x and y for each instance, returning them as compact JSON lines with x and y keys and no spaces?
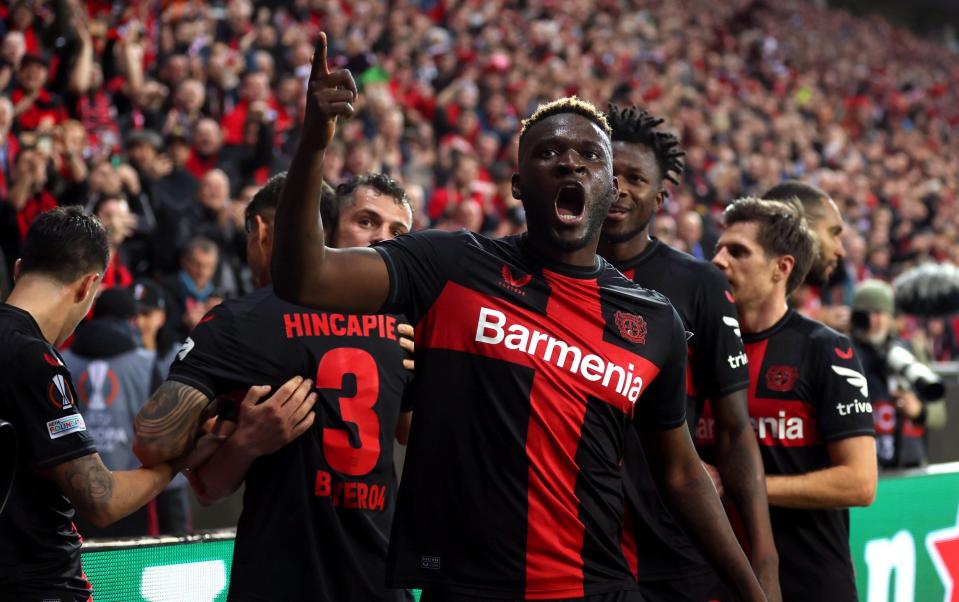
{"x":704,"y":587}
{"x":628,"y":596}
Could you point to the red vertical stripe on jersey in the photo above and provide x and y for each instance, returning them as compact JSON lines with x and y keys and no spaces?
{"x":554,"y":536}
{"x":756,"y":352}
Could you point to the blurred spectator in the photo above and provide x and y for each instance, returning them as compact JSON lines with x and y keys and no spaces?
{"x":150,"y":318}
{"x":758,"y":93}
{"x":901,"y":418}
{"x":192,"y":291}
{"x":114,"y":377}
{"x":114,"y":214}
{"x":34,"y":105}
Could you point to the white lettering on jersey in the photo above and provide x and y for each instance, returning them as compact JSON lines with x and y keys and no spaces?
{"x":736,"y":361}
{"x":856,"y":407}
{"x":187,"y":347}
{"x":854,"y":378}
{"x":492,"y":329}
{"x":66,"y":425}
{"x":732,"y":323}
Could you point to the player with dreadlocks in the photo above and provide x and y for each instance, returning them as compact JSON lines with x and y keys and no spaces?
{"x":666,"y":563}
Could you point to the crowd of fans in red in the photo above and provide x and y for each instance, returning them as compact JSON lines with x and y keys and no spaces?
{"x":163,"y":117}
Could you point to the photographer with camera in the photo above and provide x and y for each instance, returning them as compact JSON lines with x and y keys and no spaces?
{"x":906,"y":395}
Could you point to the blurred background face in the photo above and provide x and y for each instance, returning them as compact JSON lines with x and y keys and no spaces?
{"x":117,"y":220}
{"x":13,"y":48}
{"x":200,"y":266}
{"x":32,"y":76}
{"x":214,"y":192}
{"x":207,"y":139}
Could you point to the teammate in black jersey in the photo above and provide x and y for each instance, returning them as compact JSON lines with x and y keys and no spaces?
{"x":317,"y":511}
{"x":668,"y":566}
{"x":808,"y":402}
{"x":59,"y":473}
{"x":533,"y":358}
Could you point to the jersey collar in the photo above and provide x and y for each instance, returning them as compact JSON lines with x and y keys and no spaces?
{"x":651,"y":249}
{"x":752,"y":337}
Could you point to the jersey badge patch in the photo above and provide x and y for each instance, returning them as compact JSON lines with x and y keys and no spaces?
{"x":631,"y":327}
{"x":187,"y":347}
{"x":855,"y":379}
{"x":514,"y":284}
{"x":59,"y":393}
{"x":846,"y":355}
{"x":66,"y":425}
{"x":781,"y":378}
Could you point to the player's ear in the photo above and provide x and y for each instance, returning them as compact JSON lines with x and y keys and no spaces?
{"x":660,"y":198}
{"x":86,"y":286}
{"x":784,"y":267}
{"x":517,"y":191}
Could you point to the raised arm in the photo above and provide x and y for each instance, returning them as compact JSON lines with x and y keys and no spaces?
{"x":304,"y":270}
{"x":741,"y":468}
{"x":690,"y":496}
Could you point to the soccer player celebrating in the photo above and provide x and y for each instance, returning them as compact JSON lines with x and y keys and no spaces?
{"x":807,"y":400}
{"x":534,"y":358}
{"x":669,"y":567}
{"x":317,"y":512}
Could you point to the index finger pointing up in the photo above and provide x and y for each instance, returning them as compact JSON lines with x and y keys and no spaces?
{"x":319,"y":58}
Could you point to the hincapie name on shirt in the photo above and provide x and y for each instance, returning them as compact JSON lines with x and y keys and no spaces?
{"x":339,"y":325}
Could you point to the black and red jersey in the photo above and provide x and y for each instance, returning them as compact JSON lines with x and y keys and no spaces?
{"x":39,"y":544}
{"x":806,"y":390}
{"x":317,"y":513}
{"x":529,"y":374}
{"x":716,"y":367}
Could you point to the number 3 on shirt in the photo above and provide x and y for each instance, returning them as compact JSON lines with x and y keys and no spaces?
{"x":358,"y":409}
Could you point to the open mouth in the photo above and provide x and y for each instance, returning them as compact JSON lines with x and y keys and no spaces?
{"x":570,"y":202}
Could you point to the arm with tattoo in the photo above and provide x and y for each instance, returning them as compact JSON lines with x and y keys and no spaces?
{"x":103,"y":497}
{"x":169,"y":424}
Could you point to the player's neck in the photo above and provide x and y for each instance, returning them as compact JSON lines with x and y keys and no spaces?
{"x":622,"y":252}
{"x":45,"y":301}
{"x":761,"y":315}
{"x":583,"y":257}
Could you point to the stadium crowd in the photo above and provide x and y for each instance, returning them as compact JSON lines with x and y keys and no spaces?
{"x":180,"y":110}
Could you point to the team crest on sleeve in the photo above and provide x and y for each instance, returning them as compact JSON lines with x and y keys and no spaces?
{"x":631,"y":327}
{"x":781,"y":378}
{"x":58,"y":391}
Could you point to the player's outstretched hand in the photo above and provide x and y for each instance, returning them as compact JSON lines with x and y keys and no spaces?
{"x":406,"y":342}
{"x":268,"y":426}
{"x":330,"y":95}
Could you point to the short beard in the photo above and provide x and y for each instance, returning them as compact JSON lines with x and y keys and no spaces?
{"x":621,"y":237}
{"x":594,"y":223}
{"x":818,"y":274}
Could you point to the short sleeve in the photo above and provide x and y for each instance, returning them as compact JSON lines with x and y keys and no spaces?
{"x":842,"y":395}
{"x":716,"y":338}
{"x":208,"y":359}
{"x":419,"y":265}
{"x":51,"y":428}
{"x":663,"y":405}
